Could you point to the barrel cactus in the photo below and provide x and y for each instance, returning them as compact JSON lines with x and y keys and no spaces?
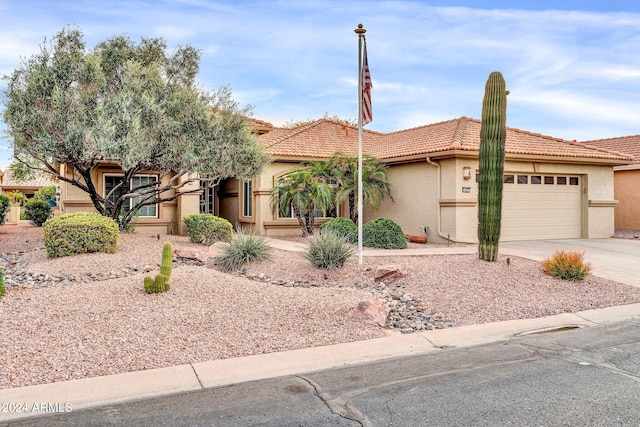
{"x":160,"y":283}
{"x":492,"y":140}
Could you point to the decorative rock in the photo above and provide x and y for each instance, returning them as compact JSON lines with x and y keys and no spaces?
{"x":418,"y":239}
{"x":190,"y":254}
{"x":374,"y":311}
{"x":387,"y":272}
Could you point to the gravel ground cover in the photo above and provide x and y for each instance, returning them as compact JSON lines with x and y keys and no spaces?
{"x":89,"y":327}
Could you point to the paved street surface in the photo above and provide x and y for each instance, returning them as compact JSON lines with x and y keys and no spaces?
{"x":579,"y":377}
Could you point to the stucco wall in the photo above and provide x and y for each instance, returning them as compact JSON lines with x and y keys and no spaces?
{"x":74,"y":199}
{"x":627,"y":213}
{"x":415,"y":193}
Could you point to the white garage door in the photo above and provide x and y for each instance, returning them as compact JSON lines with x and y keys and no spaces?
{"x":541,"y":207}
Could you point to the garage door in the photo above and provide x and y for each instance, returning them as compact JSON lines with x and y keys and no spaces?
{"x":541,"y":207}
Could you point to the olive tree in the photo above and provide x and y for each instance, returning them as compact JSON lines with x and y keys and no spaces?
{"x":135,"y":105}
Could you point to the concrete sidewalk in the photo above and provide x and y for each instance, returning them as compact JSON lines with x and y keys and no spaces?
{"x":91,"y":392}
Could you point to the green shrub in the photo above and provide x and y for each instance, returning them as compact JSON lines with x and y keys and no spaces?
{"x":78,"y":233}
{"x":1,"y":283}
{"x":567,"y":265}
{"x":45,"y":193}
{"x":4,"y":207}
{"x":207,"y":228}
{"x":342,"y":227}
{"x":37,"y":211}
{"x":329,"y":250}
{"x":243,"y":248}
{"x":383,"y":233}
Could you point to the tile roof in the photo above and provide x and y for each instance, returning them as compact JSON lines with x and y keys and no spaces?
{"x":624,"y":144}
{"x":322,"y":138}
{"x":39,"y":180}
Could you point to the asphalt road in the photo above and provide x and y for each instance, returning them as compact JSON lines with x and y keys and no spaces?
{"x":579,"y":377}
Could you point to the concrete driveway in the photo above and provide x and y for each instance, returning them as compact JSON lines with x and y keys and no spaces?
{"x":615,"y":259}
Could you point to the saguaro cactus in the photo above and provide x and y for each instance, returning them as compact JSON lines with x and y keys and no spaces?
{"x":161,"y":282}
{"x":492,"y":139}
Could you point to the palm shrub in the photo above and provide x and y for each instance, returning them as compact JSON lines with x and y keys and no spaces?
{"x":160,"y":283}
{"x":383,"y":233}
{"x":4,"y":207}
{"x":243,"y":248}
{"x":329,"y":250}
{"x":207,"y":228}
{"x":493,"y":134}
{"x":37,"y":211}
{"x":343,"y":227}
{"x":567,"y":265}
{"x":1,"y":283}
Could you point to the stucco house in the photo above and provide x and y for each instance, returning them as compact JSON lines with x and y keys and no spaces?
{"x":27,"y":187}
{"x":626,"y":180}
{"x":553,"y":188}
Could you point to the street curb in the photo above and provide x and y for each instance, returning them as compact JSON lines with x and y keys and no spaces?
{"x":112,"y":389}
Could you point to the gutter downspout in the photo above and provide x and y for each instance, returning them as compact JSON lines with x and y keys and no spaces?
{"x":440,"y":233}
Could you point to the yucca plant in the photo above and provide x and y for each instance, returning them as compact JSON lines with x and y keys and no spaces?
{"x":567,"y":265}
{"x":492,"y":140}
{"x":244,"y":247}
{"x":329,"y":250}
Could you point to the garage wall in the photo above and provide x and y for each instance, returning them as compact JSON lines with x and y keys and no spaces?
{"x":627,"y":213}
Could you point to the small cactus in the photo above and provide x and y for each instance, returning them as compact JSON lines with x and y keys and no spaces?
{"x":161,"y":282}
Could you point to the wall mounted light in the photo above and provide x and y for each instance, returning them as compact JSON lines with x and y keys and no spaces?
{"x":466,"y":172}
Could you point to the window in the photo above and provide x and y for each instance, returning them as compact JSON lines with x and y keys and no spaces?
{"x":247,"y":198}
{"x":523,"y":179}
{"x":536,"y":179}
{"x":110,"y":182}
{"x":549,"y":180}
{"x":562,"y":180}
{"x":207,"y":198}
{"x":574,"y":180}
{"x":508,"y":179}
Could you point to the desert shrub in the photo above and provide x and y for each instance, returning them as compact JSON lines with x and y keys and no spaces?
{"x":567,"y":265}
{"x":342,"y":227}
{"x":243,"y":248}
{"x":4,"y":207}
{"x":37,"y":211}
{"x":1,"y":283}
{"x":207,"y":228}
{"x":329,"y":250}
{"x":45,"y":193}
{"x":80,"y":232}
{"x":383,"y":233}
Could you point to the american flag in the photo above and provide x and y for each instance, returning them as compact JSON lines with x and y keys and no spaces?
{"x":367,"y":115}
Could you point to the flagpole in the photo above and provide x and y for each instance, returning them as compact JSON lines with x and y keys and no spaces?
{"x":360,"y":32}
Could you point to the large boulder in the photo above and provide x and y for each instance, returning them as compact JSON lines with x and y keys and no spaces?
{"x":374,"y":311}
{"x":387,"y":272}
{"x":192,"y":254}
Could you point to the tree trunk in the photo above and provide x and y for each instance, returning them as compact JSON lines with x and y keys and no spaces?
{"x":352,"y":208}
{"x":296,"y":212}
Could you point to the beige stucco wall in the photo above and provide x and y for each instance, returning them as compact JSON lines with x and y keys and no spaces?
{"x":458,"y":196}
{"x":415,"y":194}
{"x":73,"y":199}
{"x":627,"y":213}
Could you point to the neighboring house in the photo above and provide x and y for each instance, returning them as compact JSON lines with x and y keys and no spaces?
{"x":28,"y":187}
{"x":553,"y":188}
{"x":626,"y":180}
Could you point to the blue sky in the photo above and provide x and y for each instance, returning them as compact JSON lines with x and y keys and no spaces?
{"x":572,"y":67}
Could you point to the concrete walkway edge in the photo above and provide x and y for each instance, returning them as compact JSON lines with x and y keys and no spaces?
{"x":112,"y":389}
